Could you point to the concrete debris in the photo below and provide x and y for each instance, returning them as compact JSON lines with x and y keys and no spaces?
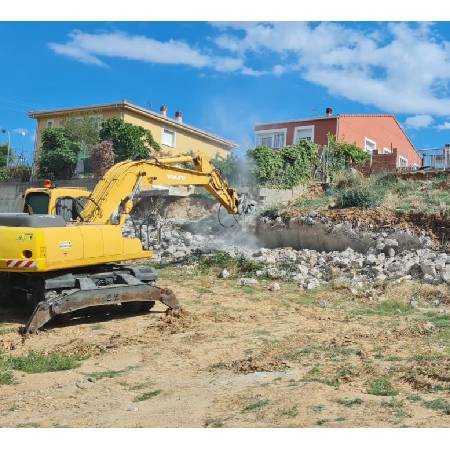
{"x":383,"y":257}
{"x":224,"y":274}
{"x":274,"y":287}
{"x":247,"y":281}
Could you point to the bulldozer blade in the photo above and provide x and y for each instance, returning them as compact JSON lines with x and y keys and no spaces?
{"x":101,"y":296}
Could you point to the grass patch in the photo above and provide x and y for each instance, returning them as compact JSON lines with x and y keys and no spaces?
{"x":7,"y":330}
{"x":321,"y":422}
{"x":414,"y":398}
{"x":313,"y":203}
{"x":291,"y":412}
{"x":439,"y":404}
{"x":106,"y":374}
{"x":381,"y":386}
{"x":387,"y":308}
{"x":147,"y":395}
{"x":236,"y":265}
{"x":317,"y":408}
{"x":349,"y":402}
{"x":326,"y":381}
{"x":256,"y":406}
{"x":438,"y":320}
{"x":397,"y":407}
{"x":36,"y":362}
{"x":203,"y":290}
{"x":6,"y":377}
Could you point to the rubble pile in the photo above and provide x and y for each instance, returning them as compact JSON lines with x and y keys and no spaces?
{"x":384,"y":257}
{"x":311,"y":269}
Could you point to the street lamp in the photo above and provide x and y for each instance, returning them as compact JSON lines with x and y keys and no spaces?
{"x":4,"y":131}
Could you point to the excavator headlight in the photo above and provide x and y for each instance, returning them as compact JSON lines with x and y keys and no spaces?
{"x":27,"y":253}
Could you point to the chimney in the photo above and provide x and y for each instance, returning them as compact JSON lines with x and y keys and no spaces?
{"x":179,"y":116}
{"x":329,"y":112}
{"x":163,"y":110}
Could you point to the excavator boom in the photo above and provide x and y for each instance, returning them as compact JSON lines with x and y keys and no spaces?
{"x":112,"y":199}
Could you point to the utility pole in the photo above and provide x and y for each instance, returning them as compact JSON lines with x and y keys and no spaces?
{"x":4,"y":131}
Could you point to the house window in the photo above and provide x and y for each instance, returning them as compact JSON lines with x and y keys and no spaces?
{"x":49,"y":124}
{"x":305,"y":133}
{"x":278,"y":140}
{"x":403,"y":162}
{"x":265,"y":140}
{"x":271,"y":138}
{"x":97,"y":121}
{"x":168,"y":137}
{"x":386,"y":151}
{"x":370,"y":145}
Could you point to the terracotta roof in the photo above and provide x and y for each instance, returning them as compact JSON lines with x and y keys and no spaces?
{"x":296,"y":120}
{"x":131,"y":107}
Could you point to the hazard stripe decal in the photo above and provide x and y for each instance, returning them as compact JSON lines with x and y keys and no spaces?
{"x":20,"y":264}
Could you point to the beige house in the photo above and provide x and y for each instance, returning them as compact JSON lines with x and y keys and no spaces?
{"x":174,"y":136}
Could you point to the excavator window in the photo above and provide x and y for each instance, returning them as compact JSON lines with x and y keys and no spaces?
{"x":36,"y":203}
{"x":69,"y":208}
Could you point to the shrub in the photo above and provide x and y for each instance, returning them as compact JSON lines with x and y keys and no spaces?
{"x":359,"y":197}
{"x":21,"y":173}
{"x":284,"y":168}
{"x":102,"y":157}
{"x":347,"y":178}
{"x":223,"y":260}
{"x":381,"y":386}
{"x":386,"y":180}
{"x":438,"y":404}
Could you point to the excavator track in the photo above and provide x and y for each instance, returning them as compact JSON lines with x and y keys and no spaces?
{"x":63,"y":294}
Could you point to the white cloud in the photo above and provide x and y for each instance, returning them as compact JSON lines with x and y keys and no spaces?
{"x":90,"y":48}
{"x":396,"y":67}
{"x":419,"y":121}
{"x":401,"y":68}
{"x":21,"y":131}
{"x":444,"y":126}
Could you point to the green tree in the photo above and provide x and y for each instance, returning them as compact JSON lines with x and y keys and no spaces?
{"x":59,"y":152}
{"x":232,"y":168}
{"x":129,"y":141}
{"x":84,"y":131}
{"x":4,"y":155}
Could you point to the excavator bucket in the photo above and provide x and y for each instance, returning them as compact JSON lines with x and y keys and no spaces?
{"x":142,"y":295}
{"x":63,"y":295}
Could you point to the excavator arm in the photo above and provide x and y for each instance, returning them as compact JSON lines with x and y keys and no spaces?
{"x":113,"y":197}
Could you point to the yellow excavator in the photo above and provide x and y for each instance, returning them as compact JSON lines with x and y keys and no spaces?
{"x":66,"y":251}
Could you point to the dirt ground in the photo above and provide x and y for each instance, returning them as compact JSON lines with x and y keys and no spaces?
{"x":243,"y":357}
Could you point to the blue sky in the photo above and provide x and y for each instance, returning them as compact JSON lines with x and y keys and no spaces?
{"x":226,"y":77}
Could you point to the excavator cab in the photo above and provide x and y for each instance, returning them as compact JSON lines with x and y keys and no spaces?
{"x":64,"y":202}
